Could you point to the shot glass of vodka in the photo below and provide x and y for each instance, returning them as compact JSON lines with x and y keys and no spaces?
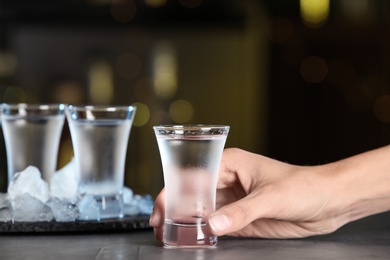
{"x":100,"y":137}
{"x":32,"y":134}
{"x":190,"y":156}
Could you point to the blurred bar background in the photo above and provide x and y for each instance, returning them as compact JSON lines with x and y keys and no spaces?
{"x":302,"y":81}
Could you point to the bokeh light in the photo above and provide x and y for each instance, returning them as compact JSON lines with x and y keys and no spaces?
{"x":181,"y":111}
{"x":165,"y":70}
{"x":101,"y":85}
{"x":314,"y":12}
{"x":314,"y":69}
{"x":142,"y":114}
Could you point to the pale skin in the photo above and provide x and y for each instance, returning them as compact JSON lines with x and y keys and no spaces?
{"x":265,"y":198}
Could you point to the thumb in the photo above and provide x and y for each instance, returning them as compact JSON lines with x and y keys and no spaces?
{"x":233,"y":217}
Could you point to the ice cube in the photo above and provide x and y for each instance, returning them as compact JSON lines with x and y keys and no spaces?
{"x":130,"y":207}
{"x":145,"y":204}
{"x":28,"y":199}
{"x":5,"y":208}
{"x":28,"y":181}
{"x":134,"y":204}
{"x":64,"y":183}
{"x":63,"y":210}
{"x":130,"y":210}
{"x":127,"y":195}
{"x":26,"y":208}
{"x":88,"y":208}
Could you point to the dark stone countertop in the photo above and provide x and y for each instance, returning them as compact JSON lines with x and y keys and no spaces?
{"x":368,"y":238}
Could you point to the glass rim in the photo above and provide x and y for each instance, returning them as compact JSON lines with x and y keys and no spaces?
{"x":99,"y":113}
{"x":190,"y":127}
{"x":25,"y":110}
{"x":191,"y":130}
{"x":33,"y":106}
{"x":101,"y":108}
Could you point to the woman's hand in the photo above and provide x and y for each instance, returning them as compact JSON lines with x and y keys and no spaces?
{"x":261,"y":197}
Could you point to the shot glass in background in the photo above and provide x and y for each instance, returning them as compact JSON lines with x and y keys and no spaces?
{"x":32,"y":134}
{"x":100,"y":137}
{"x":190,"y":156}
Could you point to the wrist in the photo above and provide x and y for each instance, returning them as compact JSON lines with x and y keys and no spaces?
{"x":361,"y":185}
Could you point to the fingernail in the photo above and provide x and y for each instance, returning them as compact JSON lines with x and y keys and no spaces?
{"x":219,"y":223}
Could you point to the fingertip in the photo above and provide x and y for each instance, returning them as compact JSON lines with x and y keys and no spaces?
{"x":219,"y":224}
{"x":233,"y":217}
{"x":156,"y":218}
{"x":152,"y":219}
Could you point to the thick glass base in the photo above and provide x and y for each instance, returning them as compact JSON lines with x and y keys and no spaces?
{"x":188,"y":235}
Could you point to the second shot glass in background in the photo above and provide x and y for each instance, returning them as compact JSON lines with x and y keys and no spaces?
{"x":32,"y":135}
{"x":100,"y":137}
{"x":190,"y":156}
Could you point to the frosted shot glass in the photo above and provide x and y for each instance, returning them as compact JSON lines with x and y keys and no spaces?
{"x":190,"y":156}
{"x":32,"y":134}
{"x":100,"y":137}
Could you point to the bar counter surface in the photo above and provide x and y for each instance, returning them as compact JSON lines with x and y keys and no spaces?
{"x":368,"y":238}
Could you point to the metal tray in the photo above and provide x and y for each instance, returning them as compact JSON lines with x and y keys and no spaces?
{"x":128,"y":223}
